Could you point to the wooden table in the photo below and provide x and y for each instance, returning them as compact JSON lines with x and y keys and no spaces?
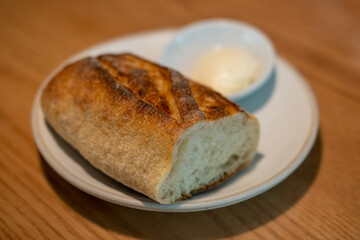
{"x":321,"y":200}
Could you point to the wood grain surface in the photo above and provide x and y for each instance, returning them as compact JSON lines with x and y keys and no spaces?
{"x":321,"y":200}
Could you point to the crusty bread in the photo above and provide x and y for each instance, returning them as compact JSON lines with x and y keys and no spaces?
{"x":149,"y":127}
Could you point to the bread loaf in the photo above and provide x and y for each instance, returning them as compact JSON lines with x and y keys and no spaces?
{"x":148,"y":126}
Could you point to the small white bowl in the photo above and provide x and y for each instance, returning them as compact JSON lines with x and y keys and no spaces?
{"x":196,"y":39}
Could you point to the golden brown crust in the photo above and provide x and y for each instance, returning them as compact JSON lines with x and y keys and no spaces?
{"x":109,"y":125}
{"x":124,"y":114}
{"x":167,"y":90}
{"x":212,"y":104}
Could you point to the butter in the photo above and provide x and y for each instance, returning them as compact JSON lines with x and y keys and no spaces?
{"x":226,"y":70}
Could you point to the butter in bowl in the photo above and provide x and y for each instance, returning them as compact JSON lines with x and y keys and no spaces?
{"x":232,"y":57}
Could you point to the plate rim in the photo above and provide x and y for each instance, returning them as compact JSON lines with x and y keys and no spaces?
{"x":177,"y":207}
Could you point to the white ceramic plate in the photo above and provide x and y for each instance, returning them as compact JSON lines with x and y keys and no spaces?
{"x":285,"y":107}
